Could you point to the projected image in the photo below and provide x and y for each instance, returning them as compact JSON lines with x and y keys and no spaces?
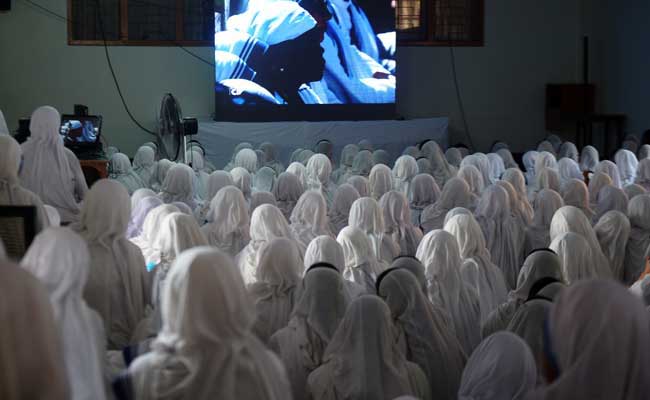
{"x":309,"y":52}
{"x":79,"y":131}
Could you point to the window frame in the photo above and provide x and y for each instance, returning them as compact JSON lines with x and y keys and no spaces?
{"x":124,"y":32}
{"x":430,"y":42}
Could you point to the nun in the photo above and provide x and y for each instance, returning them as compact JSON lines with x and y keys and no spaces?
{"x":49,"y":170}
{"x":339,"y":213}
{"x":287,"y":191}
{"x":12,"y":193}
{"x":118,"y":286}
{"x":361,"y":264}
{"x":122,"y":172}
{"x":397,"y":223}
{"x":366,"y":215}
{"x":309,"y":218}
{"x":440,"y":255}
{"x":317,"y":314}
{"x":144,"y":164}
{"x":275,"y":291}
{"x":363,"y":360}
{"x":456,"y":193}
{"x":228,"y":221}
{"x":206,"y":349}
{"x":423,"y":192}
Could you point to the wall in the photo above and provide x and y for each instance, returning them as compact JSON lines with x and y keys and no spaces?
{"x":528,"y":44}
{"x":620,"y":57}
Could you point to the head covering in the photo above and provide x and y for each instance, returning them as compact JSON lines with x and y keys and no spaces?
{"x":319,"y":169}
{"x":264,"y":180}
{"x":3,"y":125}
{"x":570,"y":219}
{"x":138,"y":215}
{"x":478,"y":269}
{"x":508,"y":160}
{"x":473,"y":177}
{"x":361,"y":265}
{"x":121,"y":171}
{"x":516,"y":178}
{"x":639,"y":215}
{"x":497,"y":167}
{"x":144,"y":164}
{"x":139,"y":195}
{"x":59,"y":258}
{"x":644,"y":152}
{"x":270,"y":155}
{"x":613,"y":232}
{"x":178,"y":232}
{"x":633,"y":190}
{"x":574,"y":251}
{"x":339,"y":213}
{"x":405,"y":169}
{"x":589,"y":158}
{"x":267,"y":223}
{"x":361,"y":184}
{"x":440,"y":255}
{"x":547,"y":147}
{"x":216,"y":181}
{"x":228,"y":221}
{"x":299,"y":170}
{"x":429,"y":342}
{"x":206,"y":349}
{"x":247,"y":159}
{"x":424,"y":166}
{"x":643,"y":173}
{"x":610,"y":198}
{"x":543,"y":263}
{"x":501,"y":367}
{"x":576,"y":194}
{"x":415,"y":267}
{"x":380,"y":181}
{"x":309,"y":218}
{"x":528,"y":160}
{"x":278,"y":274}
{"x":30,"y":343}
{"x":362,"y":163}
{"x":547,"y":202}
{"x":548,"y":178}
{"x":259,"y":198}
{"x":159,"y":174}
{"x":397,"y":222}
{"x":366,"y":215}
{"x":568,"y":170}
{"x":283,"y":21}
{"x":607,"y":346}
{"x":116,"y":284}
{"x":48,"y":168}
{"x":612,"y":170}
{"x":442,"y":171}
{"x":598,"y":181}
{"x":381,"y":156}
{"x":178,"y":186}
{"x":242,"y":180}
{"x":569,"y":150}
{"x":324,"y":249}
{"x":423,"y":192}
{"x":503,"y":233}
{"x":627,"y":164}
{"x":456,"y":193}
{"x":377,"y":369}
{"x":453,"y":156}
{"x":287,"y":191}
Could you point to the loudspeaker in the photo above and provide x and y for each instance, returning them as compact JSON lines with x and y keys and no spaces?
{"x":5,"y":5}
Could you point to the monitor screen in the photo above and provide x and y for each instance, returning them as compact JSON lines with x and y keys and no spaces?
{"x":77,"y":130}
{"x":304,"y":60}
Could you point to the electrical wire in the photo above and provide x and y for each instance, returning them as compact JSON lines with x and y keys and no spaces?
{"x":459,"y":97}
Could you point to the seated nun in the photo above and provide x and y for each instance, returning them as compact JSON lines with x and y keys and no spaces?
{"x":207,"y":349}
{"x":301,"y":345}
{"x":364,"y":361}
{"x":276,"y":290}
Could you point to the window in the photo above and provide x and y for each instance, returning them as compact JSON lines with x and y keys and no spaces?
{"x":440,"y":22}
{"x":141,"y":22}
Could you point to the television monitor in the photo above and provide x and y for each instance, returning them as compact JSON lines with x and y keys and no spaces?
{"x":283,"y":60}
{"x":81,"y":131}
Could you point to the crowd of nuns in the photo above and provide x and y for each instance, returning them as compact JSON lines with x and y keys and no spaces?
{"x":441,"y":275}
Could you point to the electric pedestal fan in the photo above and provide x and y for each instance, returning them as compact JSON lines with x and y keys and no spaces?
{"x":174,"y":129}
